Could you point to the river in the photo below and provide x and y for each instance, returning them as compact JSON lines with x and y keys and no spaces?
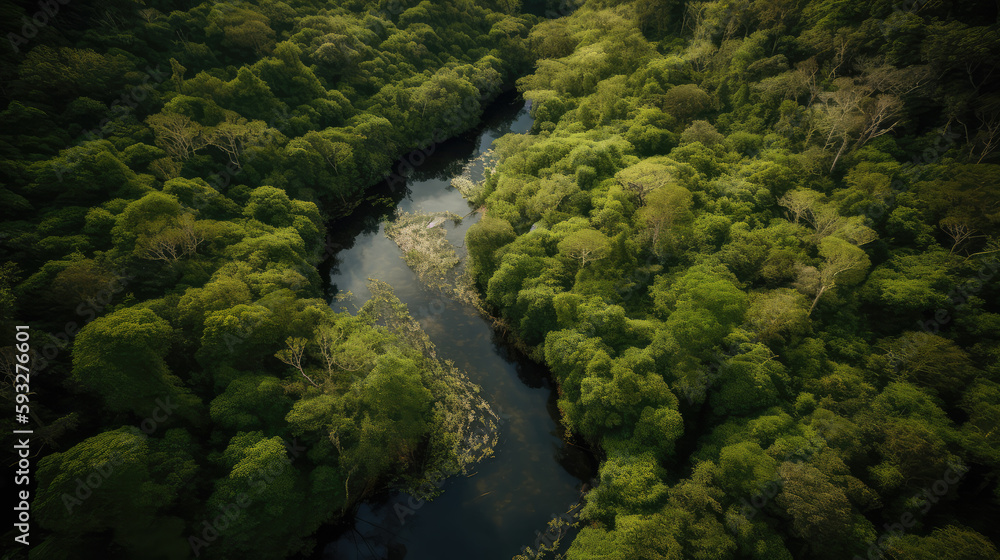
{"x":535,"y":474}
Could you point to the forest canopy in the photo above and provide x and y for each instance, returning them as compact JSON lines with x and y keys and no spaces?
{"x":168,"y":171}
{"x":756,"y":243}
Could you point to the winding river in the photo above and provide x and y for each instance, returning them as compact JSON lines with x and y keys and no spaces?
{"x":506,"y":502}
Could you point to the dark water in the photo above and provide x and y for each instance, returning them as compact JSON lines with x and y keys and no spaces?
{"x":534,"y":475}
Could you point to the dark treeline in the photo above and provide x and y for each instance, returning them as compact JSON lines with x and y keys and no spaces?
{"x":758,"y":245}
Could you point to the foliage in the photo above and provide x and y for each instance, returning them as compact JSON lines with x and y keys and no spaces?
{"x":755,"y":242}
{"x":168,"y":173}
{"x":776,"y":230}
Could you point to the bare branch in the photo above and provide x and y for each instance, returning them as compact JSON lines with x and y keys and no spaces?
{"x":293,"y":355}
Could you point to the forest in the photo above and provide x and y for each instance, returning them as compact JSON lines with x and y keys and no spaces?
{"x":756,"y":243}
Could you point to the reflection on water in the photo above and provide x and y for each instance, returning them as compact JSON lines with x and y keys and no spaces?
{"x":534,"y":475}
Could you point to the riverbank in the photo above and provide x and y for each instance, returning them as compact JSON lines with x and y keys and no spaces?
{"x":534,"y":472}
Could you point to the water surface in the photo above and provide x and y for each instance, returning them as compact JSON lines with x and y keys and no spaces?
{"x":508,"y":499}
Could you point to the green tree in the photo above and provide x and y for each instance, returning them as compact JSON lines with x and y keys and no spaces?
{"x":950,"y":542}
{"x":116,"y":486}
{"x":629,"y":484}
{"x":701,"y":306}
{"x":585,"y":245}
{"x":484,"y":239}
{"x":776,"y":314}
{"x":235,"y":135}
{"x":843,"y":265}
{"x":666,"y":208}
{"x":820,"y":511}
{"x":270,"y":205}
{"x":121,"y":357}
{"x":686,"y":101}
{"x":751,"y":380}
{"x":65,"y":72}
{"x":157,"y":227}
{"x":251,"y":403}
{"x":265,"y":490}
{"x":744,"y":469}
{"x":177,"y":135}
{"x":932,"y":361}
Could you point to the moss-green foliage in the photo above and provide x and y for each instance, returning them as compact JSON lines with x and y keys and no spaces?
{"x":753,"y":241}
{"x":756,"y":242}
{"x":167,"y":174}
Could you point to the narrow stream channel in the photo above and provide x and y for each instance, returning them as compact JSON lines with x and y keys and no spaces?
{"x":508,"y":499}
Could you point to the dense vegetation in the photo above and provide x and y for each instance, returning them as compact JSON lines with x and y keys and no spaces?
{"x":167,"y":171}
{"x":758,"y":245}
